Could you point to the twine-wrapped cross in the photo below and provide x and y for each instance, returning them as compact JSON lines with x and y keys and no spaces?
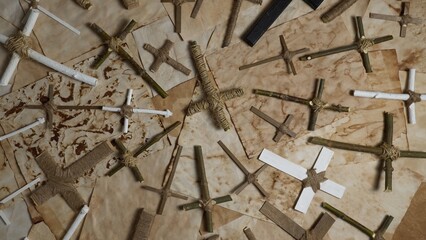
{"x":316,"y":103}
{"x":205,"y":202}
{"x":178,"y":12}
{"x":282,"y":128}
{"x":295,"y":230}
{"x":386,"y":151}
{"x":361,"y":45}
{"x":286,"y":55}
{"x":115,"y":44}
{"x":61,"y":180}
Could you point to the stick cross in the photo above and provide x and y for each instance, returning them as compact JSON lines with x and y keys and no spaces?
{"x":386,"y":151}
{"x":409,"y":96}
{"x":316,"y":104}
{"x":84,"y":210}
{"x":61,"y":180}
{"x":115,"y":44}
{"x":337,"y":10}
{"x":361,"y":45}
{"x":165,"y":192}
{"x":205,"y":202}
{"x":129,"y":159}
{"x":178,"y":12}
{"x":286,"y":55}
{"x":13,"y":195}
{"x":282,"y":128}
{"x":403,"y":20}
{"x":251,"y":178}
{"x":196,"y":8}
{"x":313,"y":179}
{"x":162,"y":56}
{"x":295,"y":230}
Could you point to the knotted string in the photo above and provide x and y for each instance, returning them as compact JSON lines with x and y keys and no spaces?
{"x":414,"y":97}
{"x":389,"y":151}
{"x":364,"y":44}
{"x":19,"y":43}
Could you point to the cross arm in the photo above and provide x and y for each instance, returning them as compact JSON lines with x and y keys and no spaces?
{"x":283,"y":164}
{"x":143,"y":225}
{"x":265,"y":117}
{"x":383,"y":227}
{"x":345,"y":146}
{"x":174,"y":167}
{"x":249,"y":234}
{"x":233,"y":157}
{"x":323,"y":225}
{"x":205,"y":195}
{"x":385,"y":17}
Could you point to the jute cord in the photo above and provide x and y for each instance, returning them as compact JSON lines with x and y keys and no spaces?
{"x":364,"y":44}
{"x":84,"y":3}
{"x":19,"y":43}
{"x":126,"y":111}
{"x":317,"y":104}
{"x":115,"y":43}
{"x":129,"y":160}
{"x":414,"y":97}
{"x":389,"y":151}
{"x":208,"y":205}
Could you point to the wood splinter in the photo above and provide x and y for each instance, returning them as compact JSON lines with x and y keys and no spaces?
{"x":249,"y":234}
{"x":162,"y":56}
{"x":282,"y":128}
{"x":205,"y":202}
{"x":214,"y":100}
{"x":178,"y":12}
{"x":337,"y":10}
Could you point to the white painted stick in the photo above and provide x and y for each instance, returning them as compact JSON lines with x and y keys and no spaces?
{"x":412,"y":108}
{"x":77,"y":221}
{"x":381,"y":95}
{"x":282,"y":164}
{"x":60,"y":21}
{"x":166,"y":113}
{"x":13,"y":64}
{"x":38,"y":122}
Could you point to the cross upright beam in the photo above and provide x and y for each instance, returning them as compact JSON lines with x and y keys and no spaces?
{"x":178,"y":12}
{"x":251,"y":178}
{"x":115,"y":44}
{"x":285,"y":55}
{"x":214,"y":100}
{"x":404,"y":19}
{"x":165,"y":192}
{"x":386,"y":151}
{"x":196,"y":8}
{"x":205,"y":202}
{"x":361,"y":45}
{"x":374,"y":235}
{"x":320,"y":229}
{"x":129,"y":158}
{"x":61,"y":180}
{"x":282,"y":128}
{"x":162,"y":56}
{"x":316,"y":104}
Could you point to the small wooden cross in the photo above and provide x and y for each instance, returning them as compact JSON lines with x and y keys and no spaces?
{"x":143,"y":226}
{"x":50,"y":107}
{"x":374,"y":235}
{"x":128,"y":158}
{"x":86,"y":4}
{"x":165,"y":192}
{"x":61,"y":181}
{"x":162,"y":56}
{"x":316,"y":104}
{"x":295,"y":230}
{"x":13,"y":195}
{"x":386,"y":151}
{"x":215,"y":100}
{"x":115,"y":44}
{"x":404,"y":19}
{"x":282,"y":128}
{"x":408,"y":96}
{"x":286,"y":55}
{"x":232,"y":22}
{"x":251,"y":178}
{"x":130,"y":4}
{"x":361,"y":45}
{"x":196,"y":8}
{"x":205,"y":202}
{"x":178,"y":12}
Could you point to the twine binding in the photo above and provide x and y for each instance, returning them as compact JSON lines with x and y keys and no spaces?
{"x":414,"y":97}
{"x":19,"y":43}
{"x":389,"y":151}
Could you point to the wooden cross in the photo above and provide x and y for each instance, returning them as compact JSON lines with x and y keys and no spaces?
{"x":143,"y":225}
{"x":286,"y":55}
{"x":316,"y":104}
{"x":130,"y":4}
{"x":361,"y":45}
{"x":196,"y":8}
{"x":162,"y":56}
{"x":19,"y":44}
{"x":165,"y":192}
{"x":249,"y":234}
{"x":50,"y":107}
{"x":115,"y":44}
{"x":205,"y":202}
{"x":386,"y":151}
{"x":282,"y":128}
{"x":126,"y":110}
{"x":409,"y":96}
{"x":404,"y":19}
{"x":295,"y":230}
{"x":13,"y":195}
{"x":215,"y":100}
{"x":128,"y":158}
{"x":86,"y":4}
{"x":178,"y":12}
{"x":251,"y":178}
{"x":61,"y":181}
{"x":232,"y":22}
{"x":375,"y":235}
{"x":313,"y":179}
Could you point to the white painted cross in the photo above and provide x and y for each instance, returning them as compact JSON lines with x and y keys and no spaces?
{"x":407,"y":97}
{"x":11,"y":134}
{"x":14,"y":194}
{"x":301,"y":173}
{"x":26,"y":31}
{"x":124,"y":110}
{"x":84,"y":210}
